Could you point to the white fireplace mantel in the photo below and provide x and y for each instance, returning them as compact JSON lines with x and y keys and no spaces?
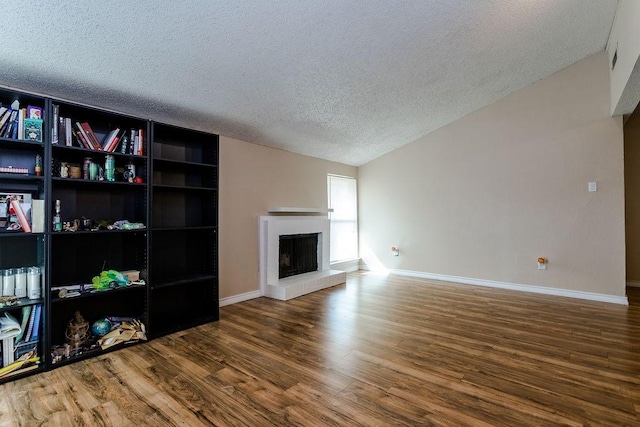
{"x":287,"y":209}
{"x":271,"y":228}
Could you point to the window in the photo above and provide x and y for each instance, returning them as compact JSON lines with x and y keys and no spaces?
{"x":344,"y":218}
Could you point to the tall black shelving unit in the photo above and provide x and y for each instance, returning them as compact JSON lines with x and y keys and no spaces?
{"x":176,"y":198}
{"x":184,"y":232}
{"x":76,"y":257}
{"x":17,"y":248}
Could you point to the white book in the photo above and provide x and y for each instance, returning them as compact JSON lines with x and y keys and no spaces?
{"x":37,"y":216}
{"x":21,"y":123}
{"x":69,"y":130}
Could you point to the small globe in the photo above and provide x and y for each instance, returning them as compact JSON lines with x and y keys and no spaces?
{"x":100,"y":327}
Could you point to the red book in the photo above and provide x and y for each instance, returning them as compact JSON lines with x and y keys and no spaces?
{"x":91,"y":136}
{"x":84,"y":138}
{"x":81,"y":139}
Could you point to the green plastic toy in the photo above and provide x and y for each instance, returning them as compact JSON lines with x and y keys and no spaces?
{"x":109,"y":279}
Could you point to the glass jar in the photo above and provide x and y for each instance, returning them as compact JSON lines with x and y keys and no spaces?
{"x":34,"y":283}
{"x":64,"y":170}
{"x":8,"y":282}
{"x":21,"y":282}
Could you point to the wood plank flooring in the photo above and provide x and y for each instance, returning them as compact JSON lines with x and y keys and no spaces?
{"x":378,"y":351}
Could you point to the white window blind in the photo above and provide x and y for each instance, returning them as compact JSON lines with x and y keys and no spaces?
{"x":344,"y":218}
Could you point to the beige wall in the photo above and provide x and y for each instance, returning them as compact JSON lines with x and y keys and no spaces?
{"x":485,"y":196}
{"x":632,"y":194}
{"x":252,"y":179}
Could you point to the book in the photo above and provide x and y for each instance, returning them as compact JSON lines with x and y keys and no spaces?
{"x":107,"y":141}
{"x":4,"y":119}
{"x":91,"y":136}
{"x":62,"y":131}
{"x":140,"y":143}
{"x":32,"y":315}
{"x":84,"y":138}
{"x":9,"y":326}
{"x":33,"y":130}
{"x":80,"y":139}
{"x":26,"y":313}
{"x":21,"y":116}
{"x":22,"y":217}
{"x":54,"y":128}
{"x":37,"y":216}
{"x":114,"y":144}
{"x":8,"y":132}
{"x":124,"y":143}
{"x":16,"y":125}
{"x":132,"y":142}
{"x":69,"y":131}
{"x":34,"y":112}
{"x":24,"y":348}
{"x":35,"y":333}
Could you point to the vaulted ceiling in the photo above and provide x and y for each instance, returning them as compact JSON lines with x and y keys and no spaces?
{"x":342,"y":80}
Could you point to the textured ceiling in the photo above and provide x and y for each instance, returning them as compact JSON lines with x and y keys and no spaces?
{"x":336,"y":79}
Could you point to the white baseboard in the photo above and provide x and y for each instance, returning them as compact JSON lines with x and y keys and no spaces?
{"x":516,"y":287}
{"x":633,"y":284}
{"x":239,"y":298}
{"x":348,"y":266}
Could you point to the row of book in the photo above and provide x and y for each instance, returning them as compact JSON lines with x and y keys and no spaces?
{"x":29,"y":327}
{"x":21,"y":123}
{"x":30,"y":324}
{"x":125,"y":141}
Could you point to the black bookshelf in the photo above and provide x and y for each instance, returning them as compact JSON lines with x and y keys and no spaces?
{"x":20,"y":250}
{"x":173,"y":199}
{"x":184,"y":219}
{"x":89,"y":202}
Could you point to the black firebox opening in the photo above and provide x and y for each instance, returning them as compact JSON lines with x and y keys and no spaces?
{"x":298,"y":254}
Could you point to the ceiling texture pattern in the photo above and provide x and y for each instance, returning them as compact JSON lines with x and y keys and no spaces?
{"x":342,"y":80}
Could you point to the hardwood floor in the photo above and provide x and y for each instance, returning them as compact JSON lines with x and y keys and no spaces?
{"x":377,"y":351}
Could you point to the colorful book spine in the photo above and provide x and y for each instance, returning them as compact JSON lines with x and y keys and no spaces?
{"x":32,"y":316}
{"x":35,"y":333}
{"x":54,"y":128}
{"x":33,"y":130}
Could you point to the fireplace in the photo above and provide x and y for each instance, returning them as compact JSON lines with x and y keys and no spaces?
{"x":294,"y":256}
{"x":298,"y":254}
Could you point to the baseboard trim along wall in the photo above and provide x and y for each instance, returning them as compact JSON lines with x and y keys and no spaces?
{"x":515,"y":286}
{"x":239,"y":298}
{"x":349,"y":266}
